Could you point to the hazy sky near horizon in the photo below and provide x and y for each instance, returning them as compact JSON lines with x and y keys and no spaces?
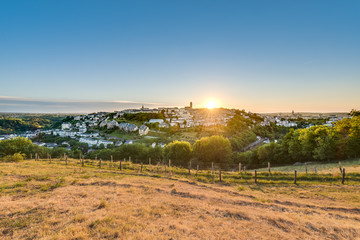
{"x":262,"y":56}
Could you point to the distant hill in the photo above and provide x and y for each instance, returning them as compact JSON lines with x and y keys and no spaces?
{"x":9,"y":124}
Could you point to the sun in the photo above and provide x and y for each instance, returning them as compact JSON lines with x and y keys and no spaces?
{"x":211,"y":105}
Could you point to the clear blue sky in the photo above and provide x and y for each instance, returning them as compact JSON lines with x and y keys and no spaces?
{"x":263,"y":56}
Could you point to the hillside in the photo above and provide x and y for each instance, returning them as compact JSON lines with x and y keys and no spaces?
{"x":42,"y":200}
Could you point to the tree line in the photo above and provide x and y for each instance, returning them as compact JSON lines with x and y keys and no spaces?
{"x":315,"y":144}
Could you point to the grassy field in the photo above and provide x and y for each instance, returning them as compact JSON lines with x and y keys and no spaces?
{"x":349,"y":165}
{"x":43,"y":200}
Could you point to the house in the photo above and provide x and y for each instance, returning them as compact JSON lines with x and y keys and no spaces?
{"x":103,"y":124}
{"x":156,"y":121}
{"x":128,"y":127}
{"x":163,"y":125}
{"x":39,"y":144}
{"x":82,"y":129}
{"x":65,"y":126}
{"x":112,"y":124}
{"x":143,"y":130}
{"x":89,"y":141}
{"x":128,"y":142}
{"x":118,"y":143}
{"x":105,"y":142}
{"x":65,"y":144}
{"x":51,"y":145}
{"x":132,"y":128}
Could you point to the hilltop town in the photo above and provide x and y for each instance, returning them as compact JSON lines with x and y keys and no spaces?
{"x":158,"y":126}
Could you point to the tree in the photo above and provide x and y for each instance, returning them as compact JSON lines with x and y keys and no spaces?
{"x":215,"y":149}
{"x":179,"y":152}
{"x":19,"y":145}
{"x":156,"y":154}
{"x":269,"y":152}
{"x":326,"y":141}
{"x":137,"y":152}
{"x":58,"y":152}
{"x":354,"y":113}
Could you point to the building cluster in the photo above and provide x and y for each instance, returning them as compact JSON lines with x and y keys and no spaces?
{"x":289,"y":119}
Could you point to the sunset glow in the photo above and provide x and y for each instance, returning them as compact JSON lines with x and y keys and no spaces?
{"x":211,"y":105}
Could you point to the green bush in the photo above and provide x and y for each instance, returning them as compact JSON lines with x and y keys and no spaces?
{"x":17,"y":157}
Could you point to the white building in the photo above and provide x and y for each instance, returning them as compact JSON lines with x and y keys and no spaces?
{"x":103,"y":124}
{"x":89,"y":141}
{"x":65,"y":126}
{"x":143,"y":130}
{"x":112,"y":124}
{"x":105,"y":142}
{"x":163,"y":125}
{"x":128,"y":127}
{"x":156,"y":121}
{"x":128,"y":142}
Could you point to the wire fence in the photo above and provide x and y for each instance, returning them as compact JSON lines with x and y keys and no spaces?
{"x":214,"y":174}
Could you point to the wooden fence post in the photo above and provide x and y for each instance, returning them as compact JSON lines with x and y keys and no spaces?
{"x":169,"y":163}
{"x":165,"y":168}
{"x":149,"y":161}
{"x":120,"y":166}
{"x":212,"y":168}
{"x":100,"y":163}
{"x":66,"y":160}
{"x":82,"y":162}
{"x":220,"y":174}
{"x":340,"y":167}
{"x":197,"y":169}
{"x":239,"y":167}
{"x":255,"y":176}
{"x":96,"y":158}
{"x":50,"y":158}
{"x":295,"y":176}
{"x":129,"y":158}
{"x":269,"y":167}
{"x":141,"y":167}
{"x":306,"y":168}
{"x":111,"y":161}
{"x":343,"y":176}
{"x":189,"y":168}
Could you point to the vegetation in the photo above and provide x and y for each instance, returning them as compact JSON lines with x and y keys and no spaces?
{"x":180,"y":153}
{"x":17,"y":157}
{"x":214,"y":149}
{"x":142,"y":117}
{"x":21,"y":123}
{"x":42,"y":200}
{"x":315,"y":144}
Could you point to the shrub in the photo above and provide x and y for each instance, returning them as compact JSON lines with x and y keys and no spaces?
{"x":17,"y":157}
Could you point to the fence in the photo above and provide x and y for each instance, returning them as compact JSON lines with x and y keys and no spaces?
{"x":211,"y":175}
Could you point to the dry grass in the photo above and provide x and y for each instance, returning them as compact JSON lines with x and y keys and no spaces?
{"x":52,"y":201}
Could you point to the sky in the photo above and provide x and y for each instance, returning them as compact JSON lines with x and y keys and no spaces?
{"x":261,"y":56}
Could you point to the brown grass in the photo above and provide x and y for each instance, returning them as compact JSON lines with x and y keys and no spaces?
{"x":52,"y":201}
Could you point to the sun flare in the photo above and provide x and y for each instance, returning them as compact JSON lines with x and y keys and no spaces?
{"x":211,"y":105}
